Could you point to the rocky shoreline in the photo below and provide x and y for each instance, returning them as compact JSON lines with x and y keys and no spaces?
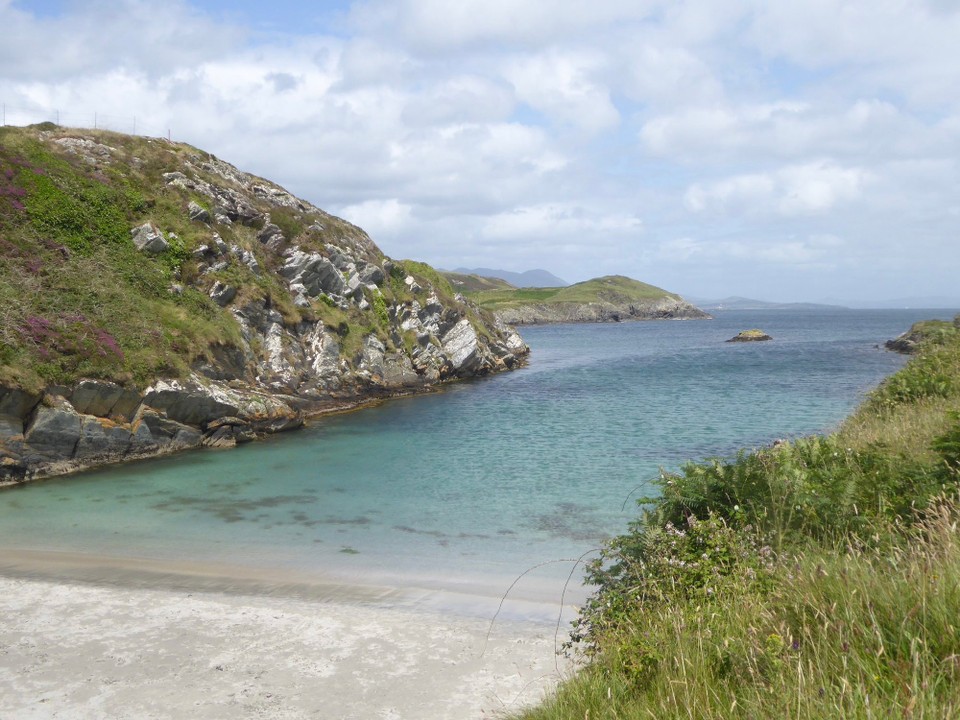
{"x":64,"y":430}
{"x":314,"y":317}
{"x":665,"y":308}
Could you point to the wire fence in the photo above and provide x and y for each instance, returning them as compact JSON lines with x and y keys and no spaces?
{"x":130,"y":124}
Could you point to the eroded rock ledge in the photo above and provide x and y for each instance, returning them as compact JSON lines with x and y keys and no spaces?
{"x":95,"y":422}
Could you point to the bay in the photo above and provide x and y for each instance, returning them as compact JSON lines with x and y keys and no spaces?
{"x":464,"y":489}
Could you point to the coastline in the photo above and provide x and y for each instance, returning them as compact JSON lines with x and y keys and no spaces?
{"x":53,"y":660}
{"x":82,"y":649}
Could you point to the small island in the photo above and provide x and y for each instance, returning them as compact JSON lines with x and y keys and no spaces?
{"x":750,"y":336}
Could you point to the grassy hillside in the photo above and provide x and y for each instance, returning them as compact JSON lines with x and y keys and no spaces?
{"x":472,"y":284}
{"x":615,"y":289}
{"x":818,"y":578}
{"x":79,"y":300}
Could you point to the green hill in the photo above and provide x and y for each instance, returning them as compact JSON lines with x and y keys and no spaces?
{"x":152,"y":271}
{"x":605,"y":299}
{"x":470,"y":284}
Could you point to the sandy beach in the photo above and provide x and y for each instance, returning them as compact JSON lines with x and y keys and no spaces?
{"x":71,"y":649}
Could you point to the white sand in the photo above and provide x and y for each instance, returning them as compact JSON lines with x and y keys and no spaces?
{"x":70,"y":650}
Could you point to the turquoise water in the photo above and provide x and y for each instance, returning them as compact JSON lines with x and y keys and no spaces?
{"x":467,"y":487}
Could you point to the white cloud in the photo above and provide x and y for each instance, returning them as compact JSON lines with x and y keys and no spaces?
{"x":561,"y":85}
{"x":786,"y":129}
{"x":539,"y":133}
{"x":558,"y":222}
{"x":145,"y":37}
{"x":380,"y":217}
{"x":883,"y":46}
{"x":811,"y":253}
{"x":439,"y":24}
{"x":805,"y":189}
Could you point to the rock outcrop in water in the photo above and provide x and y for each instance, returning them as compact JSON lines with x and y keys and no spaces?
{"x":750,"y":336}
{"x":172,"y":301}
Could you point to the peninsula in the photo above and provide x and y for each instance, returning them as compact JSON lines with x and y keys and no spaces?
{"x":612,"y":298}
{"x":157,"y":298}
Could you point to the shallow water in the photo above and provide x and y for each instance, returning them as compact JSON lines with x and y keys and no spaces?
{"x":464,"y":489}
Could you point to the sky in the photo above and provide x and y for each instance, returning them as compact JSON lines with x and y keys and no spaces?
{"x":801,"y":150}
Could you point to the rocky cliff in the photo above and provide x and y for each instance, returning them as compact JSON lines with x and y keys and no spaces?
{"x":157,"y":298}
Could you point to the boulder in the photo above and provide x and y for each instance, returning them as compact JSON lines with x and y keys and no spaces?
{"x":234,"y":206}
{"x":189,"y":403}
{"x":54,"y":430}
{"x":227,"y":432}
{"x":248,"y":259}
{"x":269,"y":233}
{"x":15,"y":406}
{"x":164,"y":432}
{"x":198,"y":212}
{"x":104,"y":399}
{"x":149,"y":239}
{"x":101,"y":440}
{"x":372,"y":275}
{"x":314,"y":272}
{"x":222,"y":294}
{"x":461,"y":347}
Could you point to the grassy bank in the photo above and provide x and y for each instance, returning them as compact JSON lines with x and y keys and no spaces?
{"x":818,"y":578}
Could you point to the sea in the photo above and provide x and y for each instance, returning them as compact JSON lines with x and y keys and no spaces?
{"x":499,"y":487}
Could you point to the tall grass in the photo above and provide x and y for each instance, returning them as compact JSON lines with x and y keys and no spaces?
{"x":815,"y":579}
{"x":843,"y":633}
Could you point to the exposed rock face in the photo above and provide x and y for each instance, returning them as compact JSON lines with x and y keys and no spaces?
{"x":298,"y":371}
{"x":313,"y":273}
{"x":356,"y":326}
{"x":198,"y":212}
{"x":665,"y":308}
{"x":149,"y":239}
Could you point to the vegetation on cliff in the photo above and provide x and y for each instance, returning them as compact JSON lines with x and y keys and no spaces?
{"x":609,"y":298}
{"x":156,"y":298}
{"x":81,"y":300}
{"x":815,"y":578}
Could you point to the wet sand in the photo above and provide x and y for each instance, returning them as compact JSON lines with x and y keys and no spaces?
{"x":85,"y":638}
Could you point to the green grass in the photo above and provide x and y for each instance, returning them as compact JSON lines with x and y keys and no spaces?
{"x":615,"y":289}
{"x":816,"y":579}
{"x":475,"y":283}
{"x":78,"y":299}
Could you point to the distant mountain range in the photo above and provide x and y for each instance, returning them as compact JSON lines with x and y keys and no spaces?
{"x":528,"y":279}
{"x":742,"y":303}
{"x":922,"y":302}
